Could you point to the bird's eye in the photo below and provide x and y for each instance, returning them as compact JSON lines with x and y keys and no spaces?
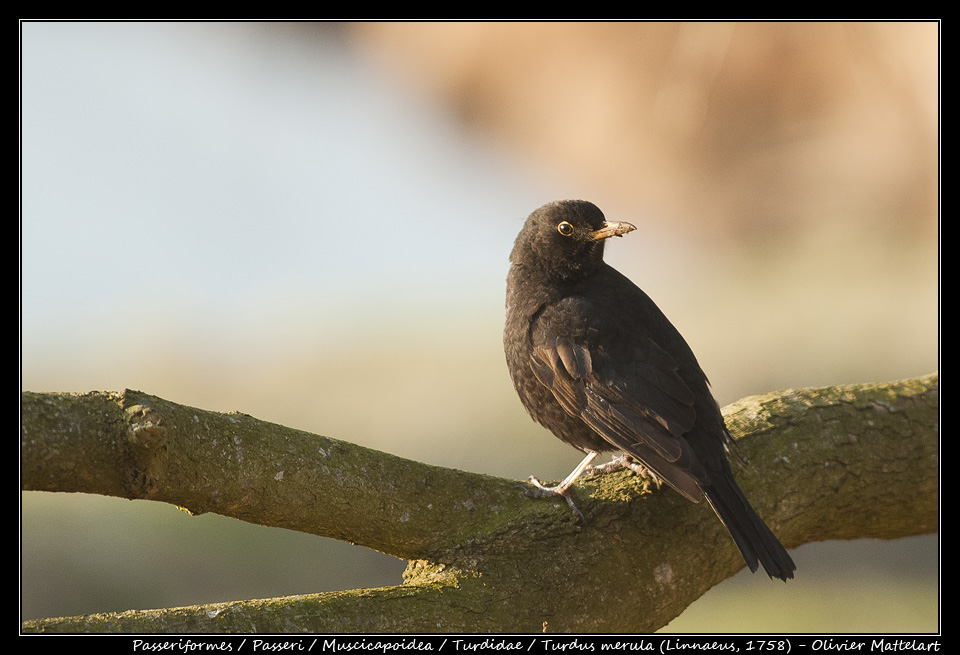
{"x":565,"y":229}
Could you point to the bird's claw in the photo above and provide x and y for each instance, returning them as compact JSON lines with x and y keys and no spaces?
{"x":540,"y":490}
{"x":623,"y":462}
{"x":602,"y":469}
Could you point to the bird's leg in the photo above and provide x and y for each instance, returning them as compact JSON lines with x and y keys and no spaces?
{"x":622,"y":462}
{"x":563,"y":489}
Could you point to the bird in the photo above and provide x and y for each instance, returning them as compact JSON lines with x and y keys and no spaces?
{"x":596,"y":362}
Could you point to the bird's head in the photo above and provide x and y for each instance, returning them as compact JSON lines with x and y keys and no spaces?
{"x":565,"y":237}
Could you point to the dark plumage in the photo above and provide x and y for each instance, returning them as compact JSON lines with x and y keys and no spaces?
{"x":598,"y":364}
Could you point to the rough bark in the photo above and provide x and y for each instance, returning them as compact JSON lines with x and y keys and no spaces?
{"x":847,"y":462}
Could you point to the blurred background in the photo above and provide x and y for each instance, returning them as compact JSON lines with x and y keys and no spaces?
{"x":310,"y":223}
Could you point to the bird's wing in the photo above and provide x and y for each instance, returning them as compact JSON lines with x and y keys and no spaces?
{"x":631,"y":395}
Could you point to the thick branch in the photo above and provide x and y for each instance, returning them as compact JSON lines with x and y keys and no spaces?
{"x":833,"y":463}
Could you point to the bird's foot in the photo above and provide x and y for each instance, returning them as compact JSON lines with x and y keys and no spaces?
{"x":612,"y":466}
{"x":563,"y":490}
{"x":623,"y":462}
{"x":541,"y":490}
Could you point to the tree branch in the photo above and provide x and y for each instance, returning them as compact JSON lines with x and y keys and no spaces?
{"x":833,"y":463}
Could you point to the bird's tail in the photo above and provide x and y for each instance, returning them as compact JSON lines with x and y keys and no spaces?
{"x":752,"y":536}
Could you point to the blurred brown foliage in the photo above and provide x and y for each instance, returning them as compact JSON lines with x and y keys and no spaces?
{"x":723,"y":126}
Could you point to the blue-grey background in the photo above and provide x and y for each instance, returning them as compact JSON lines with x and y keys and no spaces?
{"x":310,"y":223}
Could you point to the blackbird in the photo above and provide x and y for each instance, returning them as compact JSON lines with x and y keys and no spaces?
{"x":596,"y":362}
